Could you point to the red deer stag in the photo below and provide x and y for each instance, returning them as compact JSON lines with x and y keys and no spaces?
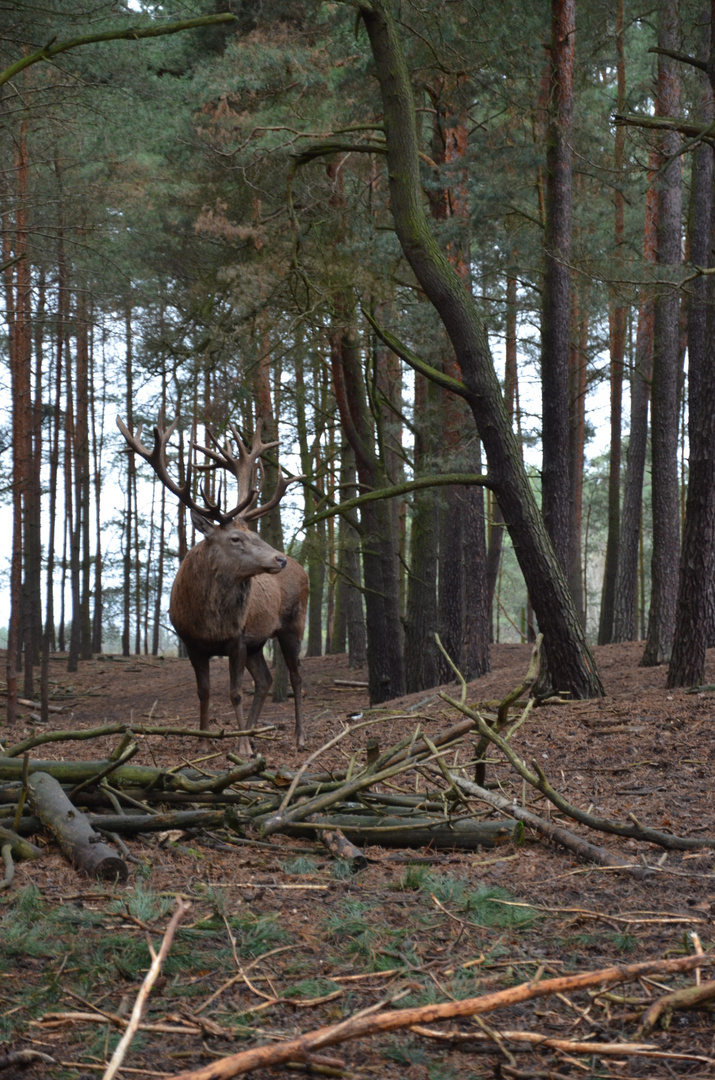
{"x":217,"y":608}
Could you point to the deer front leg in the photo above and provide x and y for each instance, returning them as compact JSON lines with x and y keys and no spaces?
{"x":202,"y":671}
{"x":236,"y":666}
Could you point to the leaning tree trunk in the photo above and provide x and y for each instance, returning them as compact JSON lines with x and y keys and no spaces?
{"x":666,"y":366}
{"x":571,"y":664}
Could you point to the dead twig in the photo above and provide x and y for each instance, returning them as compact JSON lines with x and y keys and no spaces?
{"x":534,"y":1038}
{"x":149,"y":979}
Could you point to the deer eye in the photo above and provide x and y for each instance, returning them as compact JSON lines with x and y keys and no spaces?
{"x":235,"y":539}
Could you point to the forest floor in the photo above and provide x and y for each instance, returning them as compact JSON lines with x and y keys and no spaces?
{"x":317,"y":946}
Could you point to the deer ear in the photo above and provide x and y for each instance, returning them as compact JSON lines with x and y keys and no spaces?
{"x":203,"y":524}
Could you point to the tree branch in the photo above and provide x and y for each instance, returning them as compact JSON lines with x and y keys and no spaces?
{"x":447,"y":479}
{"x":132,"y":33}
{"x":415,"y":362}
{"x":682,"y":57}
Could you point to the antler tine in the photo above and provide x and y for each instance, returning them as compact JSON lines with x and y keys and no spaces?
{"x":156,"y":457}
{"x":284,"y":483}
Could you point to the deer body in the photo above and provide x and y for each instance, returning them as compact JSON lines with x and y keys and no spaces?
{"x":216,"y":607}
{"x":276,"y":608}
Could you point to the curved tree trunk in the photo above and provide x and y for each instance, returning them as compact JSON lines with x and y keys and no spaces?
{"x":571,"y":664}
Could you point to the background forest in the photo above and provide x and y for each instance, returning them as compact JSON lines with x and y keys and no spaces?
{"x":199,"y":225}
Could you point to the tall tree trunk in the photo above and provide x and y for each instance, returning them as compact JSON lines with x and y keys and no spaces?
{"x":382,"y":587}
{"x":571,"y":664}
{"x":464,"y":627}
{"x":697,"y":565}
{"x":73,"y":504}
{"x":626,"y":593}
{"x":618,"y":314}
{"x":83,"y":475}
{"x":159,"y":590}
{"x":496,"y":523}
{"x":131,"y":468}
{"x":271,"y":526}
{"x":557,"y":282}
{"x":696,"y":594}
{"x":97,"y":451}
{"x":578,"y":368}
{"x":666,"y":364}
{"x":48,"y":640}
{"x":33,"y":529}
{"x":17,"y":293}
{"x":421,"y":654}
{"x":313,"y":544}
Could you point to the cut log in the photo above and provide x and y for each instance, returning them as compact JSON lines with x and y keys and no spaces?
{"x":79,"y":842}
{"x":355,"y":683}
{"x":338,"y":845}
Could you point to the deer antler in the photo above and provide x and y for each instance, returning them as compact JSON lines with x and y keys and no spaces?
{"x":244,"y":467}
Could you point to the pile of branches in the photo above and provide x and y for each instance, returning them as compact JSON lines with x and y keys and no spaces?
{"x":85,"y":803}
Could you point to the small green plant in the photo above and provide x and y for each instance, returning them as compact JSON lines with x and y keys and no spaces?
{"x":414,"y":877}
{"x":405,"y":1052}
{"x":302,"y":864}
{"x":486,"y":912}
{"x":624,"y":941}
{"x":311,"y":988}
{"x":257,"y":934}
{"x":340,"y":869}
{"x":143,"y":903}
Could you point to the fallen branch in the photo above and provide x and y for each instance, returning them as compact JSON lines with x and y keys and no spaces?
{"x":539,"y":781}
{"x":24,"y":1057}
{"x":74,"y":735}
{"x":585,"y":850}
{"x":661,"y":1011}
{"x":568,"y":1046}
{"x":399,"y":1019}
{"x":149,"y":979}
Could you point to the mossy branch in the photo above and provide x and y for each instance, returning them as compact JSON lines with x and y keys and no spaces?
{"x":446,"y":479}
{"x":130,"y":33}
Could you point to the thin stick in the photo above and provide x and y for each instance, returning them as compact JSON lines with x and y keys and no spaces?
{"x":149,"y":979}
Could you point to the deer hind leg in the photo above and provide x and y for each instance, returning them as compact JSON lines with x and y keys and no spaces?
{"x":290,"y":647}
{"x":263,"y":681}
{"x":236,"y":666}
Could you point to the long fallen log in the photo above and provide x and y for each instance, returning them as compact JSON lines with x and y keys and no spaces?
{"x":76,"y":837}
{"x":461,"y":834}
{"x":77,"y":772}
